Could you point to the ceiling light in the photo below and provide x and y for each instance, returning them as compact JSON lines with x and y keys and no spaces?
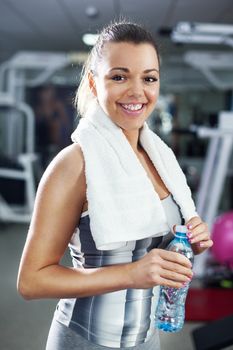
{"x":197,"y":38}
{"x":91,"y":11}
{"x":203,"y":33}
{"x":216,"y":66}
{"x":90,"y":39}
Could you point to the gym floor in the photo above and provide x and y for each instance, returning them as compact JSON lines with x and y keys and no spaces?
{"x":24,"y":324}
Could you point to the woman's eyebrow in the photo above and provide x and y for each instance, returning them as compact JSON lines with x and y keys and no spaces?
{"x":127,"y":70}
{"x":119,"y":68}
{"x":151,"y":70}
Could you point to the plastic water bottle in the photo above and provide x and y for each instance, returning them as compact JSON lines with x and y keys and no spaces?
{"x":170,"y":313}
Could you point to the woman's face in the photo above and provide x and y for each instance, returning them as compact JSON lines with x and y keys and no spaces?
{"x":126,"y":83}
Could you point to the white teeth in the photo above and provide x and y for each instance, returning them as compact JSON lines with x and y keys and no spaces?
{"x":133,"y":107}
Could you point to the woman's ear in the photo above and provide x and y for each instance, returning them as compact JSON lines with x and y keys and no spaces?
{"x":92,"y":85}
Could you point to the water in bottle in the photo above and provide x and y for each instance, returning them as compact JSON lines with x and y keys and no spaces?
{"x":170,"y":311}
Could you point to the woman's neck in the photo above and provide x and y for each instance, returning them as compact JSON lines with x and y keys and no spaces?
{"x":133,"y":138}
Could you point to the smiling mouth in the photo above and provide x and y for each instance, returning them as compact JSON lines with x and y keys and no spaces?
{"x":132,"y":107}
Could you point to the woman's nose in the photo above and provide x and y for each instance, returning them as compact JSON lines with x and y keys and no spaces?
{"x":135,"y":89}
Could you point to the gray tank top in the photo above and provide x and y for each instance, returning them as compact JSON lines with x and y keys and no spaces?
{"x":118,"y":319}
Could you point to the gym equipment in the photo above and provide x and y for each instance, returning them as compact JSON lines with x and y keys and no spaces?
{"x":214,"y":173}
{"x":31,"y":69}
{"x":222,"y":235}
{"x":216,"y":165}
{"x":214,"y":336}
{"x":24,"y":69}
{"x":217,"y":67}
{"x":17,"y":167}
{"x":208,"y":304}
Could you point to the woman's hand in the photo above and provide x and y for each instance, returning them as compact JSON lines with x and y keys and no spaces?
{"x":160,"y":267}
{"x":199,"y":235}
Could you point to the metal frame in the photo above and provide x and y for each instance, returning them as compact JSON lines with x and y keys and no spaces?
{"x":214,"y":174}
{"x":10,"y":213}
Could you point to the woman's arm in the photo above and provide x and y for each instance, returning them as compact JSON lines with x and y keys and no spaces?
{"x":57,"y":211}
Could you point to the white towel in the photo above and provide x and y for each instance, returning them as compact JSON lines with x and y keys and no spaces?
{"x":122,"y":202}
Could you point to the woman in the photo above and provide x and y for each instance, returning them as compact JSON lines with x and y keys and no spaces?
{"x":113,"y":204}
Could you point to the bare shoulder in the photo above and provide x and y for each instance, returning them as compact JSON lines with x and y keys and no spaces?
{"x":67,"y":165}
{"x":68,"y":159}
{"x":65,"y":176}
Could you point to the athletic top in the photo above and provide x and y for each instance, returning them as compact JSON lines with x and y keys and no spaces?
{"x":118,"y":319}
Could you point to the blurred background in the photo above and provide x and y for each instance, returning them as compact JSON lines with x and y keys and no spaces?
{"x":43,"y":45}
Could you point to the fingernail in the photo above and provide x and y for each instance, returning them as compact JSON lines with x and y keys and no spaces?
{"x":189,"y":234}
{"x":190,"y":226}
{"x":185,"y":284}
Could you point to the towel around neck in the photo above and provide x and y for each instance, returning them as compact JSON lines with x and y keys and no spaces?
{"x":122,"y":202}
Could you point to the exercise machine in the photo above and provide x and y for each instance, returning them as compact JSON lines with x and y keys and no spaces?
{"x":217,"y":67}
{"x":17,"y":166}
{"x":18,"y":160}
{"x":216,"y":166}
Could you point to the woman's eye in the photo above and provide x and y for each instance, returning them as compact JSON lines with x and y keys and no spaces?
{"x":151,"y":79}
{"x":118,"y":78}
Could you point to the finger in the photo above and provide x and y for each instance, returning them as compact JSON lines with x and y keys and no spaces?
{"x":206,"y":244}
{"x":199,"y":237}
{"x":195,"y":234}
{"x":174,"y":276}
{"x":195,"y":221}
{"x":177,"y":268}
{"x":175,"y":258}
{"x":169,"y":283}
{"x":202,"y":227}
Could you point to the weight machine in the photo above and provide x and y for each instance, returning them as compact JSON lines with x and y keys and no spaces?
{"x":214,"y":66}
{"x":24,"y":160}
{"x":216,"y":166}
{"x":214,"y":173}
{"x":17,"y":121}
